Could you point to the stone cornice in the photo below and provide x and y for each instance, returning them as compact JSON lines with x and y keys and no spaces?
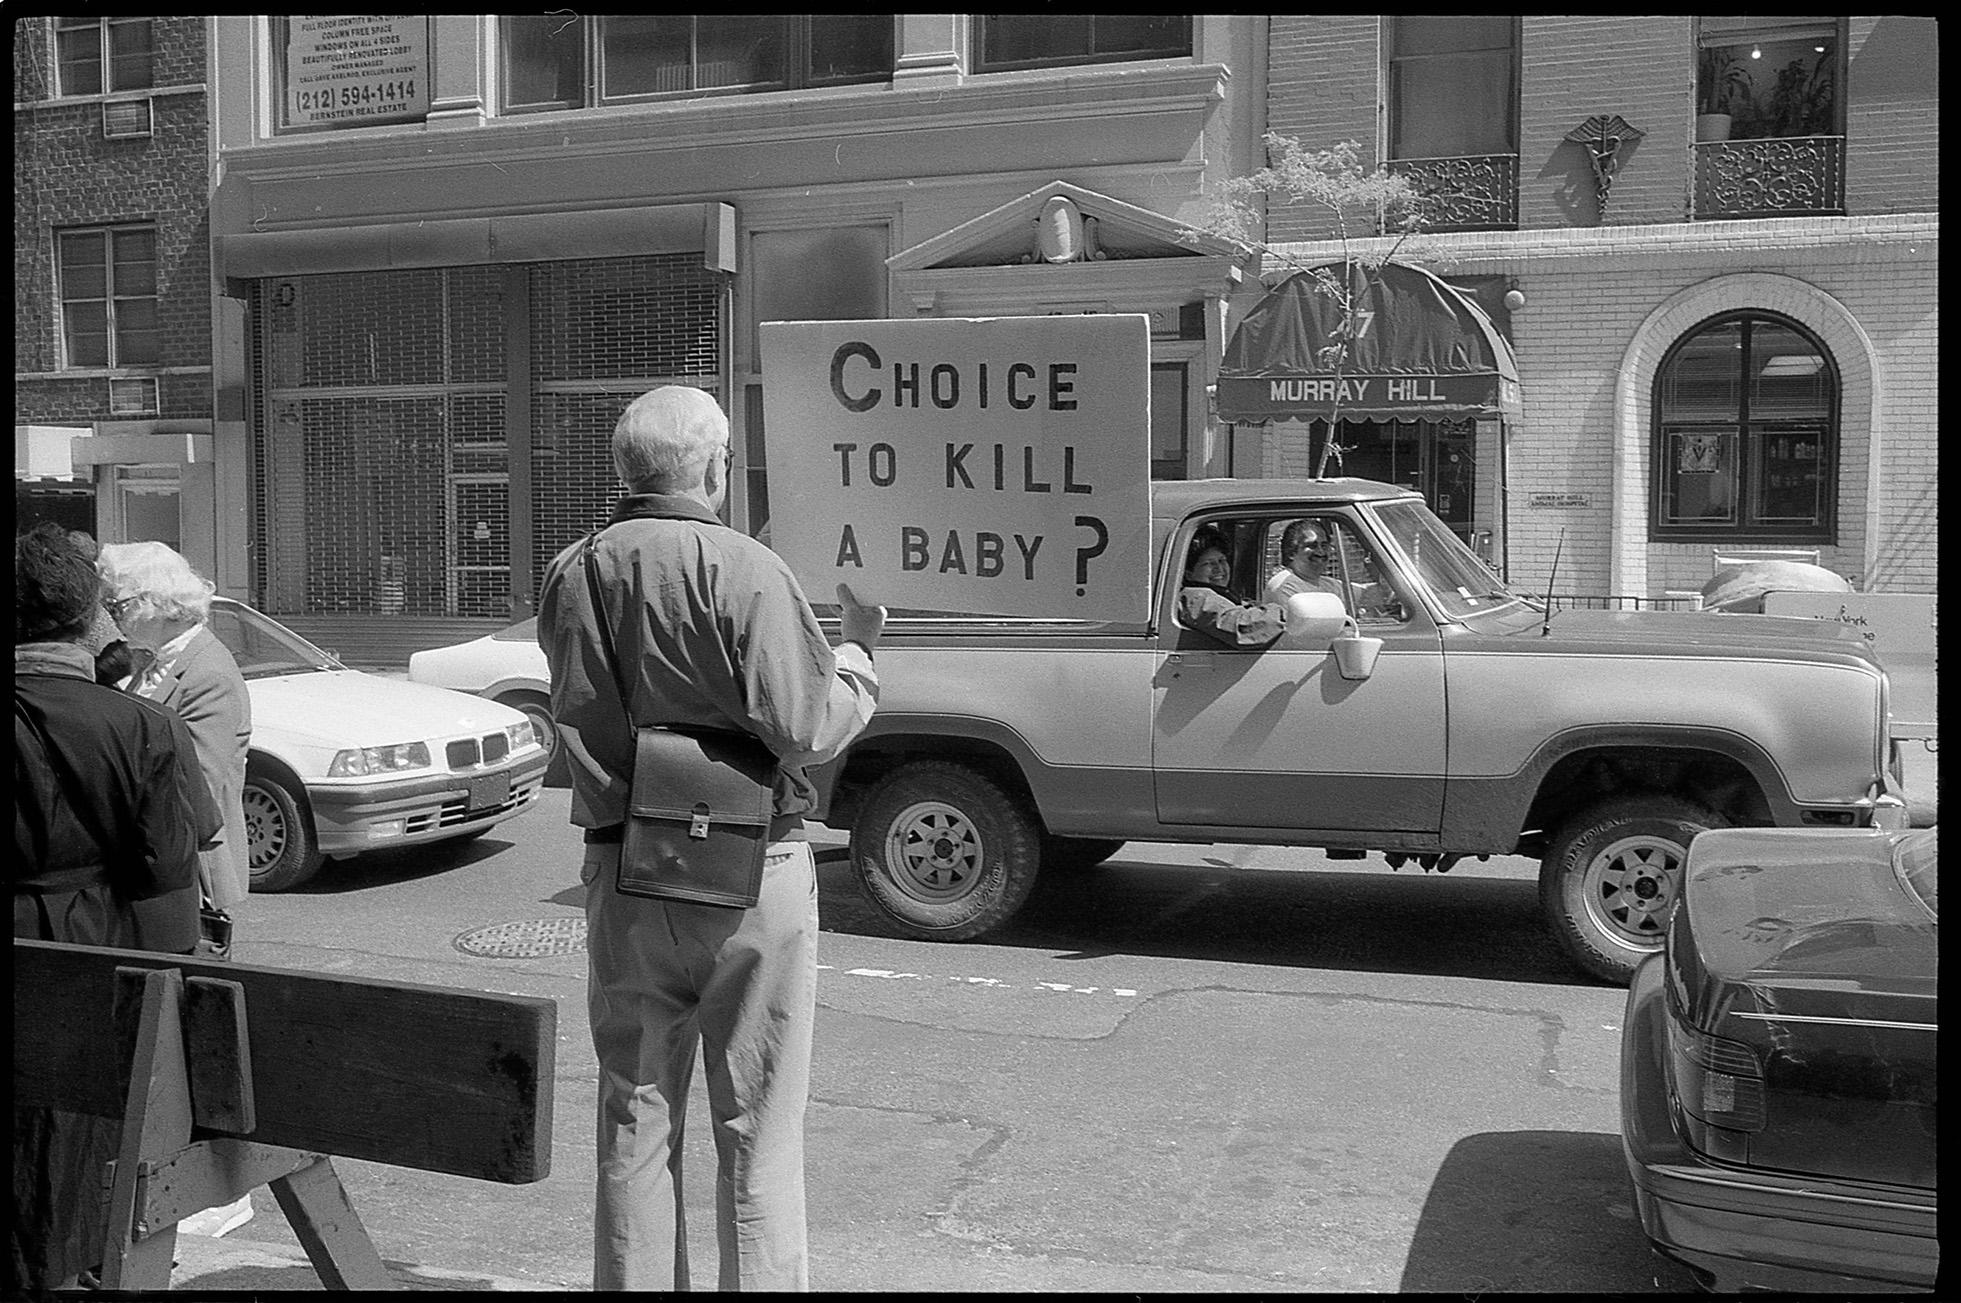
{"x":1645,"y":245}
{"x":745,"y":120}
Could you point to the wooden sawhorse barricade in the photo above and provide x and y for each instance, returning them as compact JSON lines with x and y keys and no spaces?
{"x":228,"y":1077}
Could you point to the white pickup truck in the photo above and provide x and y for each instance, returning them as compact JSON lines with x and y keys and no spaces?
{"x":1448,"y":716}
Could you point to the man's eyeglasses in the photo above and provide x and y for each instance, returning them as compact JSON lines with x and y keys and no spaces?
{"x":115,"y":605}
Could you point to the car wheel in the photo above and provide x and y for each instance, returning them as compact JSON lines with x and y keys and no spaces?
{"x":1612,"y":875}
{"x":943,"y":852}
{"x":278,"y":834}
{"x":537,"y":709}
{"x":1076,"y":854}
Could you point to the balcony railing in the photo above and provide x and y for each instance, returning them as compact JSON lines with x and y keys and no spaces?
{"x":1474,"y":193}
{"x":1801,"y":176}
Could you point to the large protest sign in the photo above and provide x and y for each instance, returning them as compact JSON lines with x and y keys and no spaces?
{"x":996,"y":465}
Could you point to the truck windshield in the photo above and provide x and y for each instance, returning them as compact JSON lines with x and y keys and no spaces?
{"x":1462,"y":583}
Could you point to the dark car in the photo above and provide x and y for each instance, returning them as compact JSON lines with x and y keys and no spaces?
{"x":1778,"y":1064}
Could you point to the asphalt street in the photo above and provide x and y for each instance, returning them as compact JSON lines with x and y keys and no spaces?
{"x":1196,"y":1069}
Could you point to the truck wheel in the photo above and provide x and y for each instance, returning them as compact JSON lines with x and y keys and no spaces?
{"x":278,"y":835}
{"x":943,"y":852}
{"x":1075,"y":854}
{"x":1611,"y":876}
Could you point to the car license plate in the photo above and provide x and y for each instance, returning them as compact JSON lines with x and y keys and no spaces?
{"x":489,"y":792}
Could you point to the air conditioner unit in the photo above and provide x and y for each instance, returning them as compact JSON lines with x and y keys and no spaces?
{"x":133,"y":397}
{"x":126,"y":119}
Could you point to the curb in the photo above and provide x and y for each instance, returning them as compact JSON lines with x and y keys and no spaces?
{"x":205,"y":1262}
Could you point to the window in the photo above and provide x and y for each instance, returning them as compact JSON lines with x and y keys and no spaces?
{"x":1453,"y":86}
{"x":560,"y":61}
{"x":93,"y":55}
{"x":108,"y":287}
{"x":824,"y":273}
{"x":1746,"y":434}
{"x":1169,"y":441}
{"x":1774,"y":78}
{"x":1008,"y":41}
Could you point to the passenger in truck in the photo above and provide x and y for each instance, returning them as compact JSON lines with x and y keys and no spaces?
{"x":1206,"y":601}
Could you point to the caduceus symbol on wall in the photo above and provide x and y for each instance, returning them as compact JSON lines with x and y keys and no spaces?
{"x":1602,"y":136}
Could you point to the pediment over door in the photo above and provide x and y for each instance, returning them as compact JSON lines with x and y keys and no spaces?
{"x":1058,"y":247}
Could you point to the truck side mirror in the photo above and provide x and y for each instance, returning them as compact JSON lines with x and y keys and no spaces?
{"x":1355,"y":655}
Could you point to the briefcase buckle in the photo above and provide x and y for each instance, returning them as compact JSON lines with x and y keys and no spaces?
{"x":698,"y":826}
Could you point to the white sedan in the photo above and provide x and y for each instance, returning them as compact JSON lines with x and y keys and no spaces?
{"x":507,"y":666}
{"x":343,"y":762}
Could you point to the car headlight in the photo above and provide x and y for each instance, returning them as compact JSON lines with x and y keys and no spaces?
{"x":522,"y":735}
{"x":358,"y":761}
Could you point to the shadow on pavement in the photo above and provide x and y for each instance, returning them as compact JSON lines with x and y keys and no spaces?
{"x":401,"y":864}
{"x":1506,"y":1207}
{"x":1371,"y":921}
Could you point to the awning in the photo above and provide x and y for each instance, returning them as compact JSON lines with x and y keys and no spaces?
{"x":1422,"y":348}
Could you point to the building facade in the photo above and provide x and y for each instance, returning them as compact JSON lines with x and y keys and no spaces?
{"x":112,"y":308}
{"x":1719,"y":238}
{"x":351,"y":323}
{"x":450,"y":249}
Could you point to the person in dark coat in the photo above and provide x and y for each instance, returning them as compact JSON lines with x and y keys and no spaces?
{"x":109,"y":809}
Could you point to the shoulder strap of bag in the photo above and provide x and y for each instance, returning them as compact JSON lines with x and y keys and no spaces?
{"x":605,"y":622}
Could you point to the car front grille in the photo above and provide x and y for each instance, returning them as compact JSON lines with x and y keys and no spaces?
{"x":456,"y":810}
{"x":471,"y":752}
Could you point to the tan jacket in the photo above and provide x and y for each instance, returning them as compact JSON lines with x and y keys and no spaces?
{"x":203,"y":685}
{"x":711,"y":629}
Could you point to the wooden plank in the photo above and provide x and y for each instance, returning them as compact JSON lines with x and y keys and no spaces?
{"x":429,"y":1077}
{"x":221,"y":1064}
{"x":156,"y":1117}
{"x":210,"y":1174}
{"x":316,"y":1205}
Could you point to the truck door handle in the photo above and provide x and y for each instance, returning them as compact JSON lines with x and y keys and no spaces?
{"x":1185,"y":663}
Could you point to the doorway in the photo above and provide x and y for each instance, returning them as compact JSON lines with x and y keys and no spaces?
{"x":1434,"y":457}
{"x":144,"y":500}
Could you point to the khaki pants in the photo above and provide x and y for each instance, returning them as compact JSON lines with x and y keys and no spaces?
{"x":664,"y":977}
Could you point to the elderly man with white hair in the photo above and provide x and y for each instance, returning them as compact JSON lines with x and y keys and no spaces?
{"x":710,"y":631}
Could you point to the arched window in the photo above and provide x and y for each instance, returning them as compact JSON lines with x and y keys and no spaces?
{"x":1746,"y":434}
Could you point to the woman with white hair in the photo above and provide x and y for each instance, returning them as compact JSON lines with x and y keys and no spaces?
{"x":163,"y":608}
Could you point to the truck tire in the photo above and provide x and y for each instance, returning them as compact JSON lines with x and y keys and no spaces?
{"x":279,"y":839}
{"x":943,"y":852}
{"x":1611,"y":876}
{"x":1075,"y":854}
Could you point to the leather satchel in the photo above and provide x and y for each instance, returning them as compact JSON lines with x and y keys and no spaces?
{"x":700,"y":802}
{"x":698,"y":815}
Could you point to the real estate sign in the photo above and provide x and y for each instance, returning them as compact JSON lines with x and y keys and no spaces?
{"x":356,"y":69}
{"x":997,"y":466}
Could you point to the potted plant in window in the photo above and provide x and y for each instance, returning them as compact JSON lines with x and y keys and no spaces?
{"x":1722,"y":83}
{"x":1801,"y":102}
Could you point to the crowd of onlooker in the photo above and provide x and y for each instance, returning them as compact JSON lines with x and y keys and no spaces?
{"x":131,"y":724}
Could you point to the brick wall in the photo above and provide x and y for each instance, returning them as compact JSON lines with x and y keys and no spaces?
{"x":1574,"y":68}
{"x":1323,"y":80}
{"x":1892,"y":162}
{"x":1325,"y":86}
{"x":1573,"y":338}
{"x":66,"y":175}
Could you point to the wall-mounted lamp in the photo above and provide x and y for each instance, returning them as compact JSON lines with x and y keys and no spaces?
{"x":1514,"y":300}
{"x":1602,"y":137}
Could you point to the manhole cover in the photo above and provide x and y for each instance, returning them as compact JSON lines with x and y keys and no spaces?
{"x":527,"y":939}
